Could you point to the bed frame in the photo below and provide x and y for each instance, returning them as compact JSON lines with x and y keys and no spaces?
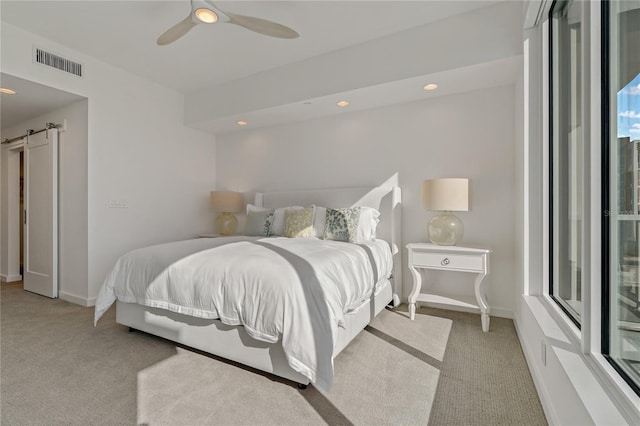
{"x":232,"y":342}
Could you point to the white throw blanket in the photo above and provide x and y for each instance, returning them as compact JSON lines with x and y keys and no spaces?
{"x":295,"y":289}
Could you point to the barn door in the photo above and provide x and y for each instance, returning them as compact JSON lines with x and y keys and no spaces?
{"x":41,"y":213}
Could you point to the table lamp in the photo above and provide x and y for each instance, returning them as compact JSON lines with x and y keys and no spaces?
{"x":226,"y":203}
{"x":445,"y":195}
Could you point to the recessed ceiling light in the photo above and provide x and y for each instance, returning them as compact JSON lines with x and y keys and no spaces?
{"x":343,"y":104}
{"x":430,"y":86}
{"x":206,"y":15}
{"x":241,"y":123}
{"x":7,"y":91}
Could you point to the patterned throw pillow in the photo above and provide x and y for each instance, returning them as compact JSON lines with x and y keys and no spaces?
{"x":277,"y":227}
{"x":258,"y":223}
{"x":342,"y":224}
{"x":298,"y":223}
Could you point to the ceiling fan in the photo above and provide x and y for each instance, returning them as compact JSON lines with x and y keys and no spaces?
{"x":205,"y":12}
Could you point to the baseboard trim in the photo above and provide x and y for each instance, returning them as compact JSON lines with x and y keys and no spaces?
{"x":78,"y":300}
{"x":494,"y":311}
{"x":10,"y":278}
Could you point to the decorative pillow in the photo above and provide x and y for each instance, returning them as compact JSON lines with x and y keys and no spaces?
{"x":342,"y":224}
{"x":319,"y":221}
{"x":277,"y":227}
{"x":299,"y":223}
{"x":369,"y":218}
{"x":258,"y":223}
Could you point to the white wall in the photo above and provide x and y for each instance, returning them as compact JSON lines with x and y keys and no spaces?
{"x":466,"y":135}
{"x":138,"y":150}
{"x":72,"y":197}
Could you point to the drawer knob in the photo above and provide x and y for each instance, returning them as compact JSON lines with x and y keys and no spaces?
{"x":445,"y":261}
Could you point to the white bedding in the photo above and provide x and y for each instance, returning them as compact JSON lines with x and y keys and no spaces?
{"x":294,"y":289}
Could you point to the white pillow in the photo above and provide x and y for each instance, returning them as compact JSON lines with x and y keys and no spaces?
{"x":319,"y":221}
{"x":277,"y":226}
{"x":369,"y":219}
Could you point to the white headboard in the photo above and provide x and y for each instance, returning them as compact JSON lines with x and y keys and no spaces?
{"x":387,"y":200}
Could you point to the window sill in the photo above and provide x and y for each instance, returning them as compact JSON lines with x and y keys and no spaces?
{"x":574,"y":388}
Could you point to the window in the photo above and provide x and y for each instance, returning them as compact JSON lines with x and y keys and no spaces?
{"x":566,"y":156}
{"x":621,"y":188}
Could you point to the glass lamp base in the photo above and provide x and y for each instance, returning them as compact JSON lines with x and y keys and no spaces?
{"x":226,"y":224}
{"x":446,"y":229}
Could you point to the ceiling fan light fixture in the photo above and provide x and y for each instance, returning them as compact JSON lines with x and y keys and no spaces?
{"x":205,"y":15}
{"x":205,"y":12}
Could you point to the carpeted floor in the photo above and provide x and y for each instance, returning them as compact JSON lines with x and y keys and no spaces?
{"x":439,"y":369}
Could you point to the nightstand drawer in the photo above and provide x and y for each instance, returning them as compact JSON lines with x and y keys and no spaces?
{"x":448,"y":261}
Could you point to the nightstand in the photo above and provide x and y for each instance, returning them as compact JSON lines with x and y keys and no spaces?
{"x":454,"y":259}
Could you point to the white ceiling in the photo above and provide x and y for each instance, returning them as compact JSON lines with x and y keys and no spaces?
{"x":124,"y":33}
{"x":460,"y":80}
{"x":31,"y":100}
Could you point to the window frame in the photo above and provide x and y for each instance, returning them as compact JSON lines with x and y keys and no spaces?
{"x":586,"y":341}
{"x":550,"y":144}
{"x":606,"y":286}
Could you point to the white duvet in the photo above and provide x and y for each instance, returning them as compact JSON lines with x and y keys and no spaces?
{"x":294,"y":289}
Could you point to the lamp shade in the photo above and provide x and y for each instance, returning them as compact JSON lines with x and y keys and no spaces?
{"x":446,"y":194}
{"x":227,"y":201}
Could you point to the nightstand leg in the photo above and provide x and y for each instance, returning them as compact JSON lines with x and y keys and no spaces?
{"x":482,"y":302}
{"x":415,"y":291}
{"x":485,"y":322}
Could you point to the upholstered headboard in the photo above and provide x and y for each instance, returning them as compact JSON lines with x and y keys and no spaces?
{"x":387,"y":200}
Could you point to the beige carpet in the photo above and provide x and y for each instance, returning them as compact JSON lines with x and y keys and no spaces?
{"x":57,"y":369}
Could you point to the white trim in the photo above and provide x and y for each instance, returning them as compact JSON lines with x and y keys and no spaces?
{"x":533,"y":179}
{"x":587,"y":260}
{"x":531,"y":354}
{"x":593,"y":342}
{"x":561,"y":319}
{"x":496,"y":311}
{"x":10,"y":278}
{"x":536,"y":12}
{"x":545,"y":159}
{"x":78,"y":300}
{"x":599,"y":403}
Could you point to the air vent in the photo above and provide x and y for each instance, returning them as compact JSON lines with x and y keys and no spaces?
{"x":58,"y":62}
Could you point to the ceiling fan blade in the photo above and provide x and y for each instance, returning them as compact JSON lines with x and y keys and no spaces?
{"x":177,"y":31}
{"x":262,"y":26}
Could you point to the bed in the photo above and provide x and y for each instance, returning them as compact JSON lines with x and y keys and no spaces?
{"x":296,"y":339}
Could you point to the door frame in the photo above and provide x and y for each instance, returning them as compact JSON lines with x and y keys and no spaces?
{"x":11,"y":223}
